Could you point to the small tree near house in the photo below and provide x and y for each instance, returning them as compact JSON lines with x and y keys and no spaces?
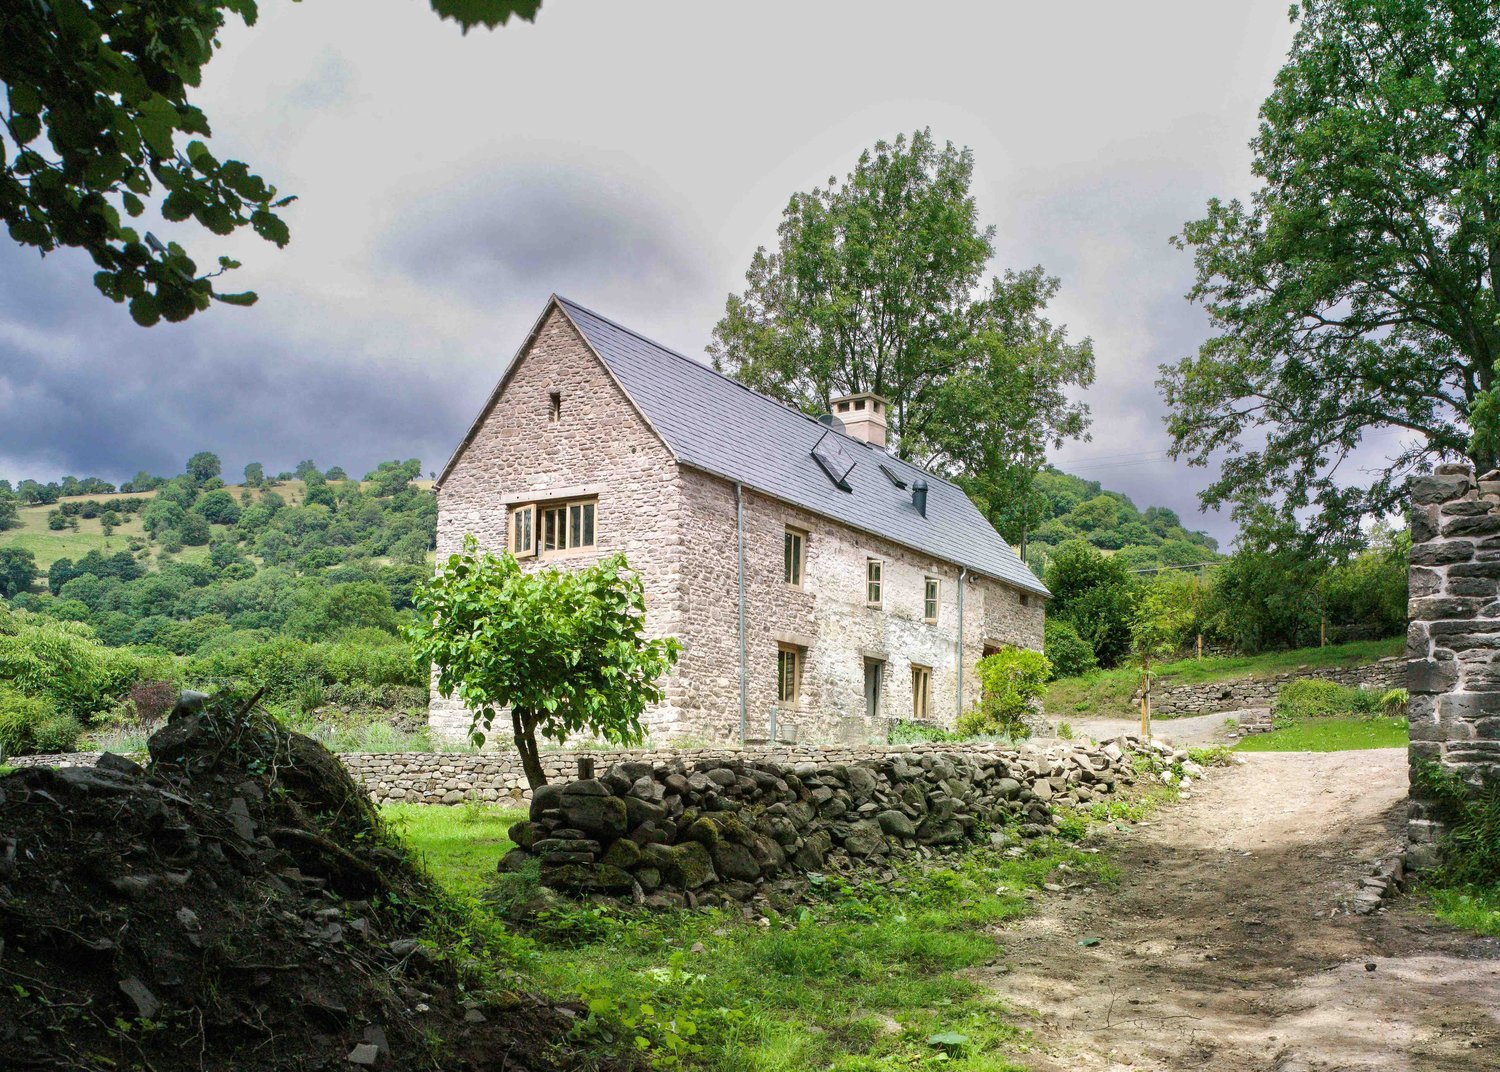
{"x":564,"y":650}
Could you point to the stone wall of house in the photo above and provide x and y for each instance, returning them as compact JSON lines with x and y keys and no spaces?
{"x":716,"y":830}
{"x":1453,"y":640}
{"x":827,"y":620}
{"x":1242,"y":693}
{"x":677,"y":526}
{"x":599,"y":446}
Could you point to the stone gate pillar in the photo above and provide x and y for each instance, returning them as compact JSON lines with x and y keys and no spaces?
{"x":1453,"y":637}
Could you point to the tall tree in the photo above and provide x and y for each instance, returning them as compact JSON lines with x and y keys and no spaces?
{"x":1356,"y":292}
{"x":878,"y":284}
{"x":97,"y":99}
{"x":204,"y":466}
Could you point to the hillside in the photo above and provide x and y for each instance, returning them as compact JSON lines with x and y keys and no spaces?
{"x":1078,"y":509}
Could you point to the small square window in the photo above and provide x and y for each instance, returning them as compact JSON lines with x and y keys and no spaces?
{"x":930,"y":590}
{"x":874,"y":572}
{"x":921,"y":691}
{"x":794,"y":546}
{"x":788,"y":675}
{"x":1025,"y":600}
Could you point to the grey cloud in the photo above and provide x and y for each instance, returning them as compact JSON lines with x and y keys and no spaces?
{"x":540,"y":227}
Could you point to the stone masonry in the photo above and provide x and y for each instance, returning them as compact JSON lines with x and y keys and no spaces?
{"x":679,"y":833}
{"x":677,"y":526}
{"x":1453,"y":641}
{"x":1243,"y":693}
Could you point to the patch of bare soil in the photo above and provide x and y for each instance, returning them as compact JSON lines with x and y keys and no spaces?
{"x":1229,"y":943}
{"x":235,"y":906}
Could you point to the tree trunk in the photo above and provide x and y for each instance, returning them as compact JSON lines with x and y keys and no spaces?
{"x":524,"y":725}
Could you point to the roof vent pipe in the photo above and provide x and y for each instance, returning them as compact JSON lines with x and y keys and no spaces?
{"x":919,"y":496}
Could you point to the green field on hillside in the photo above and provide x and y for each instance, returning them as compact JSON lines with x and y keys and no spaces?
{"x":1106,"y":692}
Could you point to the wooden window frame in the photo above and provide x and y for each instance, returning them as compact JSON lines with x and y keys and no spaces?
{"x":794,"y":566}
{"x":936,"y":601}
{"x":921,"y":692}
{"x":517,"y":528}
{"x":789,"y":697}
{"x":575,"y":527}
{"x":875,"y":582}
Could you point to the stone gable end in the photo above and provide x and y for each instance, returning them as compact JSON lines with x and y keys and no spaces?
{"x":597,"y":447}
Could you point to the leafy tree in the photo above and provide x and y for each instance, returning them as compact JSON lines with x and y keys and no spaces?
{"x":98,"y":98}
{"x":1355,"y":292}
{"x":203,"y":467}
{"x":1011,"y":682}
{"x":161,"y":515}
{"x":1155,"y":632}
{"x":878,"y":284}
{"x":255,"y":475}
{"x":17,"y":571}
{"x":306,"y":469}
{"x":219,"y":507}
{"x":1267,"y":594}
{"x":143,"y":481}
{"x":193,"y":529}
{"x":1069,"y":654}
{"x":336,"y":473}
{"x":564,"y":650}
{"x":1097,"y":595}
{"x":10,"y":516}
{"x":392,"y":478}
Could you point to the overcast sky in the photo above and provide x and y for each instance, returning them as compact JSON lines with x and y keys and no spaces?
{"x":631,"y":156}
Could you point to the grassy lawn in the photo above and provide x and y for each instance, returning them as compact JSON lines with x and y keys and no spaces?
{"x":459,"y":845}
{"x":1469,"y":908}
{"x":1109,"y":691}
{"x":1330,"y":735}
{"x":868,"y":978}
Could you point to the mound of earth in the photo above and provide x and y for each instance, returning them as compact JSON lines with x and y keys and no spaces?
{"x":235,"y":905}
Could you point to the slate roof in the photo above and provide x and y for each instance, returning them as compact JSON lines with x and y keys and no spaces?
{"x":717,"y":424}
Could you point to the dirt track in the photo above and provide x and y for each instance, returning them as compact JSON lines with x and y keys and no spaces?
{"x":1228,"y":946}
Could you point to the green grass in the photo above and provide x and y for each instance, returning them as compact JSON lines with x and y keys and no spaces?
{"x":1330,"y":735}
{"x":1469,"y":908}
{"x":1109,"y":691}
{"x":460,"y":845}
{"x":868,"y":978}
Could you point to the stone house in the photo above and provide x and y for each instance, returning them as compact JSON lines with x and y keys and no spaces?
{"x":820,"y":585}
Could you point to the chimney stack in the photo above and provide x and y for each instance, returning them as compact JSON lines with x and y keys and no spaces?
{"x":863,"y":416}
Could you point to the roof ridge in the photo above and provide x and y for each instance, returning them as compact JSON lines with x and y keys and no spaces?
{"x":701,"y":366}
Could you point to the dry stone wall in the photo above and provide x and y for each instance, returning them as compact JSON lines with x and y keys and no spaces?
{"x":724,"y":830}
{"x":1211,"y":697}
{"x":1453,"y":640}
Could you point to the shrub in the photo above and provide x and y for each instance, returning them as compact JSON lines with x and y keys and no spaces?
{"x":357,"y":657}
{"x":1393,"y":702}
{"x":1011,"y":682}
{"x":904,"y":732}
{"x":1315,"y":698}
{"x":64,"y":663}
{"x":30,"y":724}
{"x":1471,"y":847}
{"x":1069,"y":654}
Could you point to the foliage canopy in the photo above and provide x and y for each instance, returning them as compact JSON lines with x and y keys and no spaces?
{"x":1355,"y":293}
{"x":878,"y":284}
{"x":93,"y":132}
{"x":564,"y":649}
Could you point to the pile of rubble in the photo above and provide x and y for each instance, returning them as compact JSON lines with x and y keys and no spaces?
{"x":674,"y":833}
{"x":234,"y":905}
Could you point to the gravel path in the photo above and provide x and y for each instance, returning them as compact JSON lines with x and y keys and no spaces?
{"x":1228,"y":944}
{"x":1191,"y":730}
